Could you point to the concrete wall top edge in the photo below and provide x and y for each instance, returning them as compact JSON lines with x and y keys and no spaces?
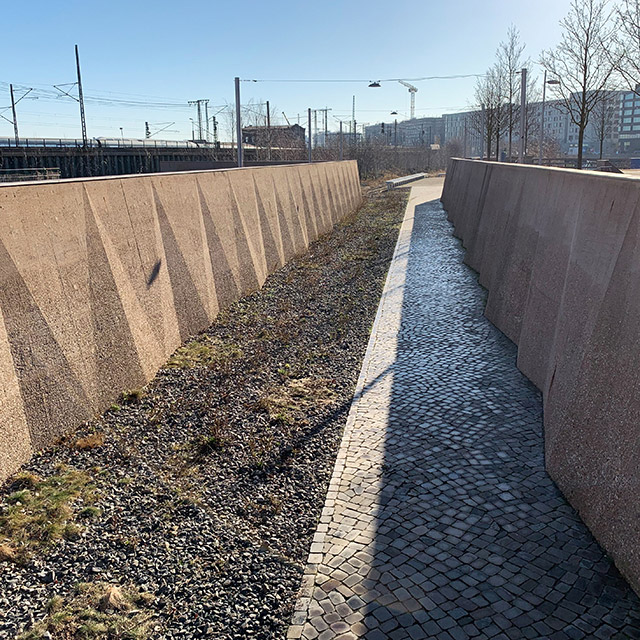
{"x":602,"y":175}
{"x":33,"y":183}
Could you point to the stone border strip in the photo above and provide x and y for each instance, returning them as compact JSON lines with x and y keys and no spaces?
{"x":397,"y":182}
{"x":390,"y":304}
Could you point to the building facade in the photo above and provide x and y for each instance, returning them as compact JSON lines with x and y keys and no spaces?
{"x":629,"y":123}
{"x":276,"y":136}
{"x":407,"y":133}
{"x":613,"y":129}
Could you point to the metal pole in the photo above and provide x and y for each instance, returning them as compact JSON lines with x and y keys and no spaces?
{"x":541,"y":143}
{"x":326,"y":126}
{"x":464,"y":150}
{"x":523,"y":120}
{"x":341,"y":148}
{"x":206,"y":120}
{"x":239,"y":124}
{"x":315,"y":126}
{"x":15,"y":118}
{"x":81,"y":101}
{"x":199,"y":119}
{"x":353,"y":120}
{"x":484,"y":132}
{"x":268,"y":132}
{"x":309,"y":126}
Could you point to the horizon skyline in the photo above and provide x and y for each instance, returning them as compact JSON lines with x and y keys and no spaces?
{"x":189,"y":68}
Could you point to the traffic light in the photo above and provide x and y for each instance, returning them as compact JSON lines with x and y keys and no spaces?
{"x":382,"y":127}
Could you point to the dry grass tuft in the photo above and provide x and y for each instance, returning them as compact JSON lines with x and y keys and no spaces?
{"x":92,"y":441}
{"x":8,"y":553}
{"x":204,"y":351}
{"x":296,"y":398}
{"x":96,"y":611}
{"x":133,"y":396}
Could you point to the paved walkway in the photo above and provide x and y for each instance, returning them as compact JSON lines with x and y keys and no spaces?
{"x":440,"y":521}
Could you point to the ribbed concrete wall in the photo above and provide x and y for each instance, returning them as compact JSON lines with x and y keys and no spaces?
{"x":101,"y":279}
{"x":559,"y":252}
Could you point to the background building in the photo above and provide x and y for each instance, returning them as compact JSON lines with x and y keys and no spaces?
{"x":276,"y":136}
{"x":408,"y":133}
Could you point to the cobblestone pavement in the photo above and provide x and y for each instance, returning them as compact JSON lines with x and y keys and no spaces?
{"x":440,"y":521}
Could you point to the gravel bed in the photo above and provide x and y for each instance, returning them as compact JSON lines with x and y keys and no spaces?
{"x":210,"y":481}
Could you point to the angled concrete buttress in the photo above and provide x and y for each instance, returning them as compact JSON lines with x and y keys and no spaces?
{"x":102,"y":279}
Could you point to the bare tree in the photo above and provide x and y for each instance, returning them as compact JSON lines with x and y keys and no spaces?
{"x":531,"y":114}
{"x":509,"y":56}
{"x":626,"y":57}
{"x":489,"y":122}
{"x":603,"y":118}
{"x":582,"y":62}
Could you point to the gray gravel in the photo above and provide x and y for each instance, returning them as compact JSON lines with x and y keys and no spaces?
{"x":220,"y":535}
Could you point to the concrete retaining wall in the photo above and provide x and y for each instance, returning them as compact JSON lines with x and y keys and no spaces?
{"x":559,"y":252}
{"x":102,"y":279}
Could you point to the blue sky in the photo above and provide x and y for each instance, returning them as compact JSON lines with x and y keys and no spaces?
{"x":171,"y":52}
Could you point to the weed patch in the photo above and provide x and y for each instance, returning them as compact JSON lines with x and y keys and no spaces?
{"x":204,"y":351}
{"x":39,"y":512}
{"x":298,"y":397}
{"x":92,"y":441}
{"x":96,"y":611}
{"x":133,"y":396}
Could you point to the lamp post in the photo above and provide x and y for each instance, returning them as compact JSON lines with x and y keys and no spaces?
{"x":523,"y":115}
{"x":544,"y":90}
{"x":310,"y":157}
{"x":238,"y":123}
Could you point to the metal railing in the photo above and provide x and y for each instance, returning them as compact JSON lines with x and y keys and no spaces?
{"x":100,"y":143}
{"x":22,"y":175}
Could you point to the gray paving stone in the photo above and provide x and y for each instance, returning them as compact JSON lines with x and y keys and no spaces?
{"x":440,"y":520}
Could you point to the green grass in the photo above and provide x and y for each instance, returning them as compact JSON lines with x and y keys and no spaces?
{"x":96,"y":611}
{"x":41,"y":511}
{"x":204,"y":351}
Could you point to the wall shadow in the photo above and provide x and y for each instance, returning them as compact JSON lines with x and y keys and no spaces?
{"x":472,"y":537}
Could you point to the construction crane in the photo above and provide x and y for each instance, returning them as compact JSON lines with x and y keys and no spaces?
{"x":412,"y":90}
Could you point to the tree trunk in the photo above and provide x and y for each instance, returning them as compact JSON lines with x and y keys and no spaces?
{"x":601,"y":145}
{"x":510,"y":126}
{"x":580,"y":139}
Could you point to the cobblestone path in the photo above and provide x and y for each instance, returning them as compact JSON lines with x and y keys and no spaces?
{"x":440,"y":521}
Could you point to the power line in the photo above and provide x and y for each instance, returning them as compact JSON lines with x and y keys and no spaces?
{"x":452,"y":77}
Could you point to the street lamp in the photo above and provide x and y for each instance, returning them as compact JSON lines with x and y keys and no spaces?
{"x":544,"y":90}
{"x":523,"y":116}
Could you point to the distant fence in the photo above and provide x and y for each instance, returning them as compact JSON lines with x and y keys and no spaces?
{"x":21,"y":175}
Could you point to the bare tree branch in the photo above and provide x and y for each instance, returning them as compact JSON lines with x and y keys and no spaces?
{"x":582,"y":62}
